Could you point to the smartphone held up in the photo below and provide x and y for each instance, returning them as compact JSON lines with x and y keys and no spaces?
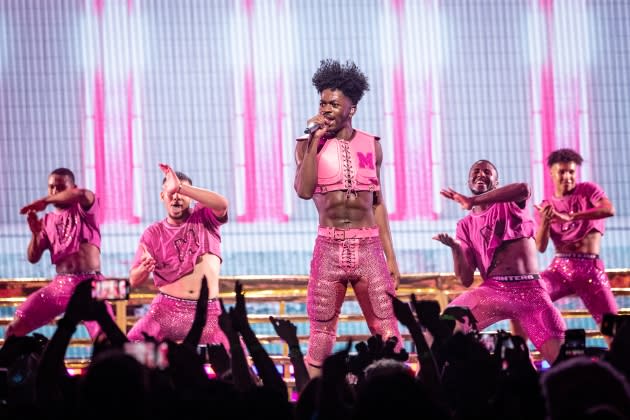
{"x":110,"y":289}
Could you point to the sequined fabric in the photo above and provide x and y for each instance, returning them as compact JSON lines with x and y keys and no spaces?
{"x":171,"y":318}
{"x":335,"y":264}
{"x":584,"y":277}
{"x":47,"y":303}
{"x":525,"y":301}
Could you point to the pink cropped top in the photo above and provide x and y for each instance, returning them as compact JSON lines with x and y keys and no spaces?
{"x":486,"y":231}
{"x":176,"y":248}
{"x":584,"y":196}
{"x":66,"y":229}
{"x":348,"y":165}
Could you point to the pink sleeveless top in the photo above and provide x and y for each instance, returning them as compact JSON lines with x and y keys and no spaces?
{"x":64,"y":230}
{"x":176,"y":248}
{"x":484,"y":232}
{"x":347,"y":165}
{"x":583,"y":197}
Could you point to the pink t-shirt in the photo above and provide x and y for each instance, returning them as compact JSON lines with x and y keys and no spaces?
{"x":64,"y":230}
{"x":176,"y":248}
{"x":584,"y":196}
{"x":484,"y":232}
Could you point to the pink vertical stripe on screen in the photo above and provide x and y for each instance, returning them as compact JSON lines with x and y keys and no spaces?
{"x":249,"y":123}
{"x":277,"y":210}
{"x":128,"y":180}
{"x":99,"y":5}
{"x":99,"y":138}
{"x":100,"y":187}
{"x":400,"y":134}
{"x":399,"y":123}
{"x":425,"y":179}
{"x":249,"y":140}
{"x":548,"y":118}
{"x":576,"y":110}
{"x":547,"y":111}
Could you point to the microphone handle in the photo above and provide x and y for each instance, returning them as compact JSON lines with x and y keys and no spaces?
{"x":311,"y":128}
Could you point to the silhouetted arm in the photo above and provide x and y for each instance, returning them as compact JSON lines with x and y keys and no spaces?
{"x":287,"y":331}
{"x":265,"y":366}
{"x":240,"y":370}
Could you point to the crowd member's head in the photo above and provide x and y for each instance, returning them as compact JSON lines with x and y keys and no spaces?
{"x":578,"y":385}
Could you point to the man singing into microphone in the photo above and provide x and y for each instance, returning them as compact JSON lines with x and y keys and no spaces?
{"x":339,"y":168}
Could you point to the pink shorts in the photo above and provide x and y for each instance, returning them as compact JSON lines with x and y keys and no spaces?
{"x":171,"y":318}
{"x":515,"y":297}
{"x":583,"y":275}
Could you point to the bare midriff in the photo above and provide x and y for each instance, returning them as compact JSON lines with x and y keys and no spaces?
{"x":341,"y":209}
{"x":515,"y":257}
{"x":587,"y":245}
{"x":188,"y":286}
{"x":86,"y":259}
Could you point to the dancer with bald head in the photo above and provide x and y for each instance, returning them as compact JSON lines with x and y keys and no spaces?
{"x":497,"y":237}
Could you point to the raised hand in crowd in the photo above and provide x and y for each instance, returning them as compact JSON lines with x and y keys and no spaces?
{"x":620,"y":349}
{"x":429,"y":373}
{"x":185,"y":364}
{"x":264,"y":364}
{"x":201,"y":310}
{"x":336,"y":396}
{"x":52,"y":380}
{"x":219,"y":360}
{"x":287,"y":331}
{"x":428,"y":314}
{"x":240,"y":370}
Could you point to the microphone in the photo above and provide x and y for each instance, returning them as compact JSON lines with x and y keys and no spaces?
{"x":311,"y":128}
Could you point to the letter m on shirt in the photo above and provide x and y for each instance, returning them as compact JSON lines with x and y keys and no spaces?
{"x":365,"y":161}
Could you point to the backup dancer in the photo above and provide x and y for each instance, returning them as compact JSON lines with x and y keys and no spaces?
{"x":179,"y":251}
{"x":574,"y":218}
{"x":71,"y":233}
{"x":497,"y":237}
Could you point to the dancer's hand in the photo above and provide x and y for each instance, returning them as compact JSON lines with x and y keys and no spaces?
{"x":465,"y":202}
{"x":547,"y":212}
{"x":172,"y":183}
{"x":35,"y":206}
{"x":394,"y":272}
{"x":34,"y":223}
{"x":447,"y":240}
{"x":147,"y":262}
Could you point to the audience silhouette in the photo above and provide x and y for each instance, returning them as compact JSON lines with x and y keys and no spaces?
{"x":458,"y":377}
